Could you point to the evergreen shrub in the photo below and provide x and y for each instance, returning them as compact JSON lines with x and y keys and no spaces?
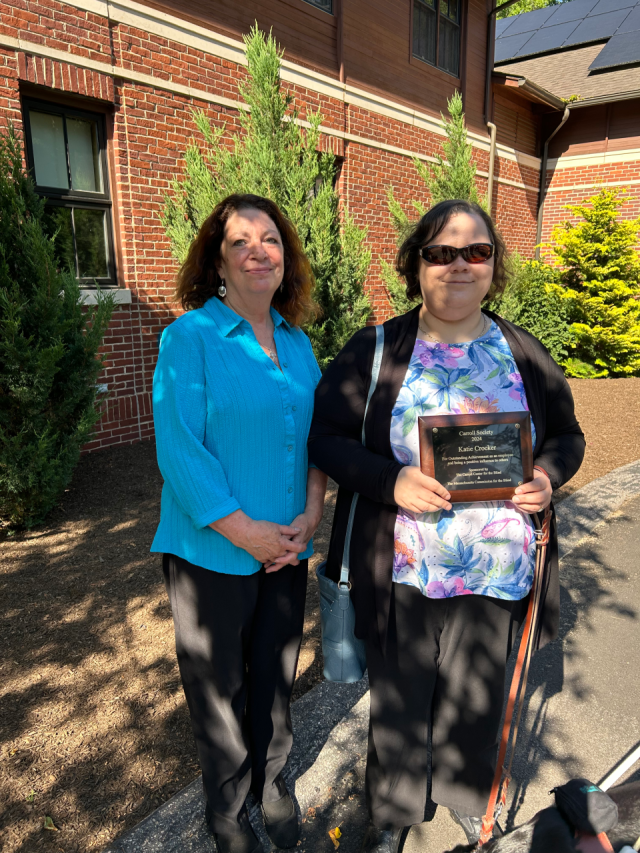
{"x":273,"y":156}
{"x":49,"y":359}
{"x":599,"y":270}
{"x":534,"y":300}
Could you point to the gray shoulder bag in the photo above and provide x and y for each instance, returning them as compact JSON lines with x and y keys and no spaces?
{"x":344,"y":654}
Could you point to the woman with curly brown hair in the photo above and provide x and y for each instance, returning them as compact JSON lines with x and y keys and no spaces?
{"x":439,"y":588}
{"x":233,"y":400}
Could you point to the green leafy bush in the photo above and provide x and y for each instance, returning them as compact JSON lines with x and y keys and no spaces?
{"x":534,"y":300}
{"x":526,"y":6}
{"x":599,"y":270}
{"x":48,"y":354}
{"x":451,"y":176}
{"x":273,"y":156}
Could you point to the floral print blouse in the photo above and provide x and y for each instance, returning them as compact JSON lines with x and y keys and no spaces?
{"x":483,"y":548}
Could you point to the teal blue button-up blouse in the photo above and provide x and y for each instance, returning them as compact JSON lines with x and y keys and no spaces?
{"x":231,"y":432}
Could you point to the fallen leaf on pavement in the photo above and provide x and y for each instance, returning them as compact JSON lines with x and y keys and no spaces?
{"x":334,"y":835}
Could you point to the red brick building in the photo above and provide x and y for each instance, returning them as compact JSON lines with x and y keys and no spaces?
{"x":586,"y":55}
{"x":102,"y":91}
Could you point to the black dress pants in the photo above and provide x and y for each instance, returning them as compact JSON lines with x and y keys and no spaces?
{"x":439,"y":685}
{"x":237,"y":641}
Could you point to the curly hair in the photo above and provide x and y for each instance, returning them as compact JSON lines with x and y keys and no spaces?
{"x":198,"y":279}
{"x":428,"y":228}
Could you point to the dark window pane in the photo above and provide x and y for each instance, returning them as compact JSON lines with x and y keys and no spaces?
{"x":449,"y":8}
{"x":58,"y":224}
{"x":424,"y":32}
{"x":449,"y":52}
{"x":325,"y":5}
{"x":84,"y":156}
{"x":91,"y":243}
{"x":49,"y":154}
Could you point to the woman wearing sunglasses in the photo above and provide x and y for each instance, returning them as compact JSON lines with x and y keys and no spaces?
{"x":439,"y":588}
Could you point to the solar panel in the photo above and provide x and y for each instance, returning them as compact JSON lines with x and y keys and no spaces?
{"x":530,"y":21}
{"x":508,"y":47}
{"x":548,"y":38}
{"x":575,"y":10}
{"x":504,"y":24}
{"x":623,"y":49}
{"x":597,"y":27}
{"x":611,"y":5}
{"x":631,"y":22}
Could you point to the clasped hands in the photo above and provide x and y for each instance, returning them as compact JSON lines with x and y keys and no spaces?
{"x":274,"y":545}
{"x":419,"y":493}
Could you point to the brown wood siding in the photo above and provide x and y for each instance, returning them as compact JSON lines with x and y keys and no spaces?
{"x":624,"y":125}
{"x":476,"y":54}
{"x":516,"y":124}
{"x":376,"y":43}
{"x":584,"y":133}
{"x":307,"y":34}
{"x":377,"y":49}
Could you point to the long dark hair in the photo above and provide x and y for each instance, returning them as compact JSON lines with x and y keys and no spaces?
{"x":198,"y":279}
{"x":429,"y":226}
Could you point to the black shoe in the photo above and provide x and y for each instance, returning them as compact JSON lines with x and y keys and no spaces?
{"x":472,"y":826}
{"x":281,"y":820}
{"x":382,"y":840}
{"x":244,"y":841}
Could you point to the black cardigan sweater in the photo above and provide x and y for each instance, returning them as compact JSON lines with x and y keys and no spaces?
{"x":371,"y":469}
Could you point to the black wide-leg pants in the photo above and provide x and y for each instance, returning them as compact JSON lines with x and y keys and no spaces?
{"x":439,"y":685}
{"x":237,"y":641}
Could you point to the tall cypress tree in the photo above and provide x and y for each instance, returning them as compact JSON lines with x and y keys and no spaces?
{"x":451,"y":176}
{"x":49,"y":359}
{"x":273,"y":156}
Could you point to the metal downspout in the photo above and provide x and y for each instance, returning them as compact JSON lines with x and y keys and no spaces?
{"x":543,"y":182}
{"x":492,"y":160}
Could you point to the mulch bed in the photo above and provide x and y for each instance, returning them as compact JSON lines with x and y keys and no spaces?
{"x":94,"y":731}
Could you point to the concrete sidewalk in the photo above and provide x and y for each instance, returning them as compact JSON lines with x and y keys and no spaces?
{"x":581,"y":707}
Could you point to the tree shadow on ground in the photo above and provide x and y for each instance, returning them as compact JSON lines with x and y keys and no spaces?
{"x":591,"y":590}
{"x":94,"y":730}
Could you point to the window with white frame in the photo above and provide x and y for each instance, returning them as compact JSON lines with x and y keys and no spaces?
{"x":436,"y":33}
{"x":66,"y":152}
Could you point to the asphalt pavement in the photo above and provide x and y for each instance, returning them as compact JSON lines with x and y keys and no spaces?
{"x":581,"y":709}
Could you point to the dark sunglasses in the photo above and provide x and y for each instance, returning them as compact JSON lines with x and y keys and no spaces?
{"x":476,"y":253}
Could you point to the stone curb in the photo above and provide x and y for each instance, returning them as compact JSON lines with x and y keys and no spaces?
{"x":330,"y":721}
{"x":585,"y":509}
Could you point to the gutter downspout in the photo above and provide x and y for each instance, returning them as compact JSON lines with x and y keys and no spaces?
{"x":492,"y":160}
{"x":543,"y":182}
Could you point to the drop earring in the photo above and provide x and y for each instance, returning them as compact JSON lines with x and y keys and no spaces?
{"x":222,"y":290}
{"x":282,"y":287}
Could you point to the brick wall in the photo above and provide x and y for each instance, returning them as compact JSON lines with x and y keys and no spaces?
{"x":150,"y":125}
{"x":573,"y":184}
